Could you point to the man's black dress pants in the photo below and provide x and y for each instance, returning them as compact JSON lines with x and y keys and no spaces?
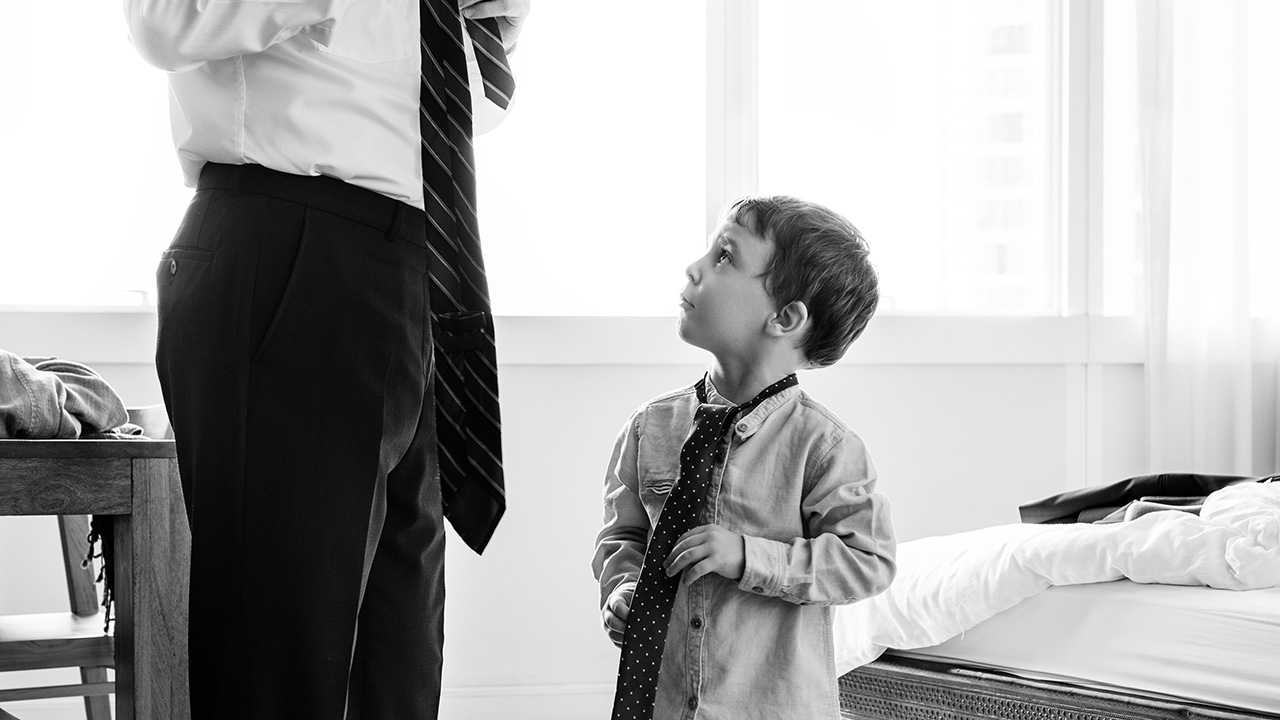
{"x":294,"y":354}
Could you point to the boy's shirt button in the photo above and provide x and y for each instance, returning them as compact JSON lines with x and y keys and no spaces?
{"x":693,"y":703}
{"x":696,"y":623}
{"x":742,"y":427}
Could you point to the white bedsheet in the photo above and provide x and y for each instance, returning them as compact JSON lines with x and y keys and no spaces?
{"x":947,"y":585}
{"x":1218,"y":647}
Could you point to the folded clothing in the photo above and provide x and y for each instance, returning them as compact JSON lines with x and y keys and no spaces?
{"x":52,"y":398}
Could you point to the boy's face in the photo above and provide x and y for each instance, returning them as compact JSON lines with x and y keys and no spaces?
{"x":724,"y":306}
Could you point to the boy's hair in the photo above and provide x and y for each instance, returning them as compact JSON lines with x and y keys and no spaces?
{"x":820,"y":259}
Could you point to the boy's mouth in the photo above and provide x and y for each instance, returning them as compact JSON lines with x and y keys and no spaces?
{"x":685,"y":301}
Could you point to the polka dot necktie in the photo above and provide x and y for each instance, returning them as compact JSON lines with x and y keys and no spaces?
{"x":651,"y":606}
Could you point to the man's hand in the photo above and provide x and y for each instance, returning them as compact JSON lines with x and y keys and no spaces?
{"x":510,"y":14}
{"x":708,"y":549}
{"x":615,"y":614}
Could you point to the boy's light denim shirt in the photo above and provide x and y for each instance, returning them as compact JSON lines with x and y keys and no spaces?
{"x":799,"y":486}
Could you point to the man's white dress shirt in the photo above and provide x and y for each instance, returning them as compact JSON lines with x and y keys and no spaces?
{"x":309,"y":87}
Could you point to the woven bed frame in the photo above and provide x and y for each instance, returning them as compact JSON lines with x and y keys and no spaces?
{"x":896,"y":688}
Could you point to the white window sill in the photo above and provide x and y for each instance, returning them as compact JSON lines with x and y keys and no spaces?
{"x":127,"y":335}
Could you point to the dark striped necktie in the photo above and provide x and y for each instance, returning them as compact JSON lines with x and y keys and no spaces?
{"x":650,"y":612}
{"x":468,"y":431}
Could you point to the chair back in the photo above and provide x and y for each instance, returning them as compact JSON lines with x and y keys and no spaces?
{"x":154,"y":421}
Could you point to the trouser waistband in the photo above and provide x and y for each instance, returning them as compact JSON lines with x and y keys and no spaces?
{"x":390,"y":216}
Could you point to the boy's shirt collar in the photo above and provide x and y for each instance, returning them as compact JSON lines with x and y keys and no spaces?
{"x":747,"y":425}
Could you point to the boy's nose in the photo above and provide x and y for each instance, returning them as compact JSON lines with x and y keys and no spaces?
{"x":691,"y":272}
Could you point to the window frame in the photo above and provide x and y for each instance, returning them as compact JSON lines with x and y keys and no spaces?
{"x":1080,"y":337}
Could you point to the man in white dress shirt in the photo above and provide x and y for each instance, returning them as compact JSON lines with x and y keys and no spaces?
{"x":294,"y":351}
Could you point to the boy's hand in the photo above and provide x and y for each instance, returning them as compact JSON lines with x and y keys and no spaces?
{"x":615,"y":614}
{"x":708,"y":549}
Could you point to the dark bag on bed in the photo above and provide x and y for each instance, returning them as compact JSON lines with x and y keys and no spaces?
{"x":1099,"y":504}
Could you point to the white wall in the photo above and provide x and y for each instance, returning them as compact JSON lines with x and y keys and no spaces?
{"x":965,"y":420}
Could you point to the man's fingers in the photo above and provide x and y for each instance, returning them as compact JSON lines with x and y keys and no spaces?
{"x":478,"y":9}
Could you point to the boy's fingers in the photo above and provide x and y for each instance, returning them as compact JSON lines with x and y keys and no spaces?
{"x":687,"y":542}
{"x":619,"y":607}
{"x":697,"y":571}
{"x":613,"y":623}
{"x":690,"y":536}
{"x":687,"y":558}
{"x":614,"y":631}
{"x":676,"y":562}
{"x":701,"y":530}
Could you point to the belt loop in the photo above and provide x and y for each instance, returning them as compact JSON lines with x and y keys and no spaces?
{"x":235,"y":179}
{"x":396,"y":223}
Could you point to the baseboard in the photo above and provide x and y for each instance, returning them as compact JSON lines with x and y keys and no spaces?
{"x":51,"y":709}
{"x":497,"y":702}
{"x":527,"y":702}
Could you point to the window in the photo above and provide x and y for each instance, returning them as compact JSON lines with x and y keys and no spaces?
{"x":91,"y":191}
{"x":937,"y":126}
{"x":929,"y":124}
{"x":592,"y":191}
{"x":1008,"y":39}
{"x":1121,"y":246}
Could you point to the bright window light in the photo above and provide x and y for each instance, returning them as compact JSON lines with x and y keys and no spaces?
{"x":928,"y":124}
{"x":91,"y":193}
{"x":592,"y":192}
{"x":1122,"y":247}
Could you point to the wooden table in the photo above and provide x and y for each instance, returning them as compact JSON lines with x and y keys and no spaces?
{"x":137,"y":482}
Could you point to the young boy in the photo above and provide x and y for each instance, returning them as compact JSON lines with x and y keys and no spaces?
{"x":777,"y":498}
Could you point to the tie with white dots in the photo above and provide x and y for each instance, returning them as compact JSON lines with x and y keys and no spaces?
{"x":651,"y":607}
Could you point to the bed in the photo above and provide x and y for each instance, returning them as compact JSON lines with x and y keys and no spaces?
{"x":1171,"y":615}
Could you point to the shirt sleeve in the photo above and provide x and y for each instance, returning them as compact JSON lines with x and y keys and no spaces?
{"x":181,"y":35}
{"x":621,"y":543}
{"x":849,"y":552}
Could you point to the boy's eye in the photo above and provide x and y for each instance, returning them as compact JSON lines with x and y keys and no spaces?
{"x":724,"y":255}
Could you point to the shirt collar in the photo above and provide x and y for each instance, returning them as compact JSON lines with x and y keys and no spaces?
{"x":747,"y":425}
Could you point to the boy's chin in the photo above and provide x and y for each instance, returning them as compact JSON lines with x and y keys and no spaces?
{"x":689,"y":336}
{"x":684,"y":331}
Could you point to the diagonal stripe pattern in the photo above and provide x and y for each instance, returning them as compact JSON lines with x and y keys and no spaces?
{"x":499,"y":84}
{"x":650,"y":612}
{"x":468,"y":427}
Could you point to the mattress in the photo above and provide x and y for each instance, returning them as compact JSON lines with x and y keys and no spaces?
{"x":1218,"y":647}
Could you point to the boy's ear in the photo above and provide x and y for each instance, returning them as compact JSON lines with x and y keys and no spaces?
{"x":792,"y":319}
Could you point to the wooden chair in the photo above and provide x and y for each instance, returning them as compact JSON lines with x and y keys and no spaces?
{"x":77,"y":638}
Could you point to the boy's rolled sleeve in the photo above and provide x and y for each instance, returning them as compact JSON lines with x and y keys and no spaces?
{"x":765,"y":566}
{"x":621,"y":543}
{"x":848,"y":554}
